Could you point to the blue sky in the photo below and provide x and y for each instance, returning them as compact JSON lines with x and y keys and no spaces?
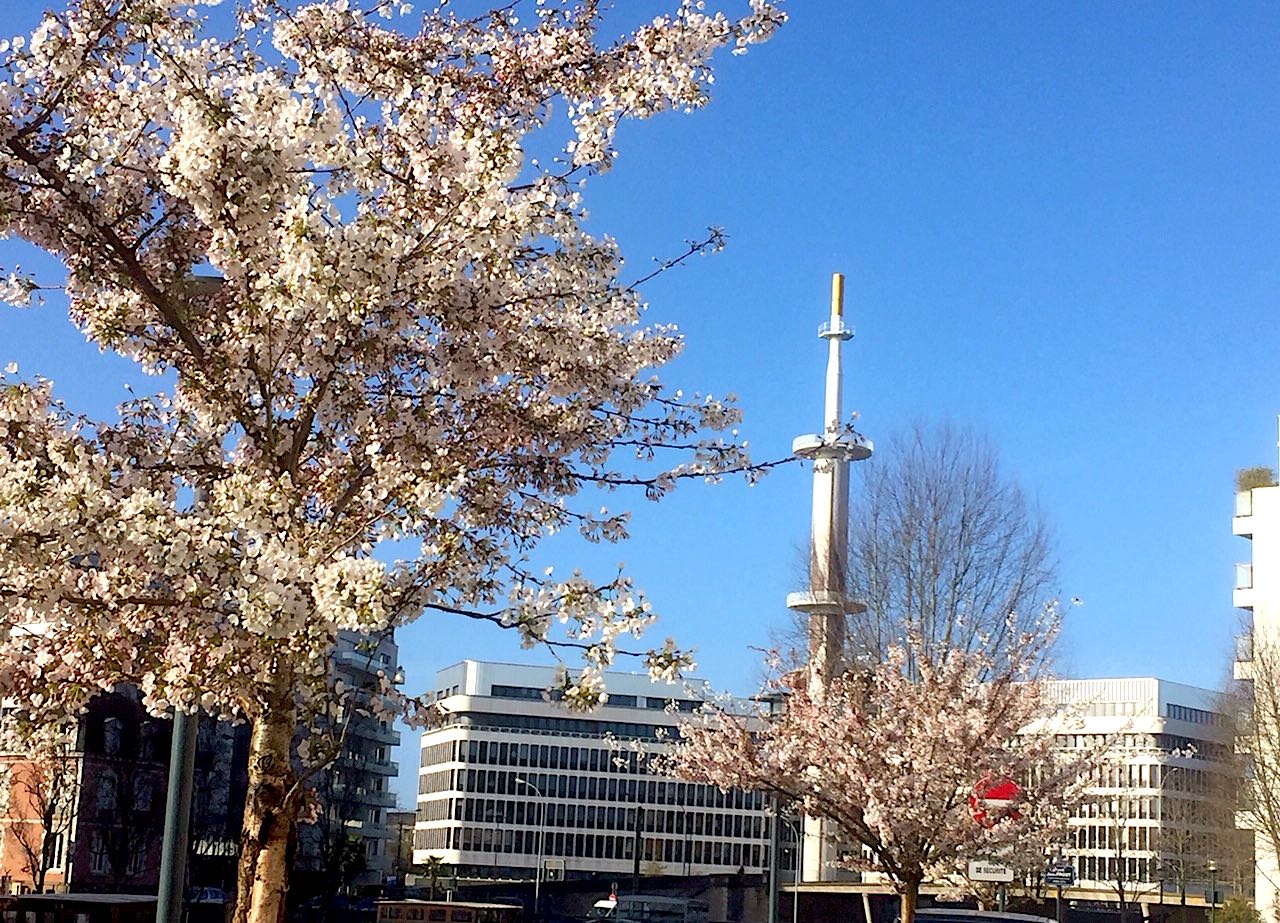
{"x":1058,"y":225}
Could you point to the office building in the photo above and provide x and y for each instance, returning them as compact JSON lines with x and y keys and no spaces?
{"x":511,"y":775}
{"x":1158,"y":820}
{"x":1257,"y":596}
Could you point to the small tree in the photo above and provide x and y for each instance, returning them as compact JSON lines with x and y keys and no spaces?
{"x":1126,"y":862}
{"x":44,"y":797}
{"x":894,"y":755}
{"x":1257,"y":476}
{"x":1237,"y":910}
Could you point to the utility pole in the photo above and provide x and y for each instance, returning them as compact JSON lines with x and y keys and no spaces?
{"x":182,"y":751}
{"x":635,"y":852}
{"x":177,"y":816}
{"x":827,"y":602}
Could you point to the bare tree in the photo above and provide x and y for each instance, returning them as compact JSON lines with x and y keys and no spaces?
{"x":944,"y":545}
{"x":44,"y":795}
{"x":1129,"y":860}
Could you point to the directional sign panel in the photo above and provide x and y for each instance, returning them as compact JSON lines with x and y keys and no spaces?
{"x":981,"y":870}
{"x":1060,"y":876}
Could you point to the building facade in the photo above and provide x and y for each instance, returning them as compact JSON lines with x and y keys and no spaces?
{"x":353,"y":838}
{"x":1158,"y":822}
{"x":511,"y":776}
{"x":1257,"y":595}
{"x":89,"y":818}
{"x":109,"y":789}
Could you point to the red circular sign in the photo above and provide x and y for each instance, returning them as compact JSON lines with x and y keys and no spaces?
{"x":989,"y":802}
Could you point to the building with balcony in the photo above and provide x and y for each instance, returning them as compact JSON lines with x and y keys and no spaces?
{"x":1257,"y":595}
{"x":352,"y":837}
{"x":512,"y":776}
{"x":1159,"y":817}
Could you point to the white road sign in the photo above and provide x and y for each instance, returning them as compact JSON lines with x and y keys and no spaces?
{"x":981,"y":870}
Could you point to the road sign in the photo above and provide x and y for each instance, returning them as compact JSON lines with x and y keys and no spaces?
{"x":982,"y":870}
{"x":990,"y":800}
{"x":1060,"y":876}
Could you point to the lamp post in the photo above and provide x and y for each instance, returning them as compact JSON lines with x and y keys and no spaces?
{"x":542,"y":823}
{"x":1213,"y":889}
{"x":798,"y":830}
{"x":774,"y":699}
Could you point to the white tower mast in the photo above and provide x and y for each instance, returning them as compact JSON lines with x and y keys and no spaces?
{"x":827,"y":602}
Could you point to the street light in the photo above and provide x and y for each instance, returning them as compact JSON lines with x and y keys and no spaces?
{"x":542,"y":824}
{"x":773,"y":699}
{"x":798,"y":829}
{"x":1213,"y":888}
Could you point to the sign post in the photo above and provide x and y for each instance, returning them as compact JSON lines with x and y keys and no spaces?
{"x":1060,"y":875}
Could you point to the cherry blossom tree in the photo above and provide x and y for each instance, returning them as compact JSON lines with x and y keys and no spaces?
{"x":893,"y":755}
{"x":404,"y":338}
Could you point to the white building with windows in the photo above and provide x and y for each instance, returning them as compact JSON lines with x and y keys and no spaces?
{"x":511,"y":775}
{"x":1159,"y":811}
{"x":1257,"y":595}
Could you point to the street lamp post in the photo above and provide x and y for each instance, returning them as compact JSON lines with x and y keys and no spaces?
{"x":798,"y":830}
{"x":542,"y":811}
{"x":1213,"y":889}
{"x":774,"y":699}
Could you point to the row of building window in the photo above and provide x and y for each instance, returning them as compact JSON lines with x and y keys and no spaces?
{"x":1154,"y":776}
{"x":607,"y":788}
{"x":1194,"y":715}
{"x":1175,"y":841}
{"x":614,"y":700}
{"x":1161,"y":743}
{"x":599,"y":846}
{"x":581,"y":727}
{"x":1128,"y":807}
{"x":593,"y":817}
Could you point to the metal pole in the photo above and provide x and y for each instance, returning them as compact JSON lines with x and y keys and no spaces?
{"x":639,"y":841}
{"x":542,"y":828}
{"x":177,"y":817}
{"x":795,"y":896}
{"x":775,"y":844}
{"x":182,"y":756}
{"x":542,"y":845}
{"x":1213,"y":891}
{"x":1058,"y":915}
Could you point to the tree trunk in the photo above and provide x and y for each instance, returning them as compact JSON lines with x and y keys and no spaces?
{"x":909,"y":897}
{"x":269,"y":813}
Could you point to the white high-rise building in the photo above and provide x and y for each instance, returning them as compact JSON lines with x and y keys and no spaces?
{"x":1257,"y":593}
{"x":1159,"y":812}
{"x":511,"y":776}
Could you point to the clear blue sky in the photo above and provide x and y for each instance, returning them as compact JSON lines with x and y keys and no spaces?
{"x":1059,"y":225}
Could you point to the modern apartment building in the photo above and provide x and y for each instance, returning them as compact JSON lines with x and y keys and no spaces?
{"x":512,"y":776}
{"x":1160,"y":810}
{"x":356,"y":793}
{"x":1257,"y":595}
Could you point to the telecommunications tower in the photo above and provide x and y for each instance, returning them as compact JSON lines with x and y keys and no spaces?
{"x":826,"y":603}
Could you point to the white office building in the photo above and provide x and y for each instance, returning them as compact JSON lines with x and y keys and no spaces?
{"x":1158,"y":820}
{"x":1257,"y":595}
{"x":511,"y":776}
